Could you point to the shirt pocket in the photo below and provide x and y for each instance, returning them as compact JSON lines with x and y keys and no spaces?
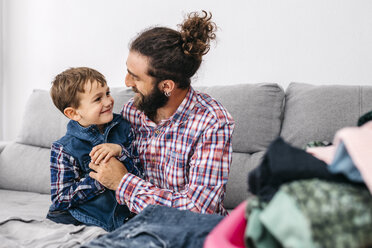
{"x":176,"y":173}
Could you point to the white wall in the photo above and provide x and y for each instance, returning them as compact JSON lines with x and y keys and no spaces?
{"x":1,"y":72}
{"x":317,"y":41}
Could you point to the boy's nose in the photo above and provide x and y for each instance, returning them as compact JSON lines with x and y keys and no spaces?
{"x":108,"y":101}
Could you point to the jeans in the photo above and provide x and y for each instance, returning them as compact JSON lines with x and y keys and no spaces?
{"x":62,"y":217}
{"x":159,"y":226}
{"x":102,"y":211}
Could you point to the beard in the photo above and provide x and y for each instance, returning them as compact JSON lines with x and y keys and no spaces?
{"x":151,"y":103}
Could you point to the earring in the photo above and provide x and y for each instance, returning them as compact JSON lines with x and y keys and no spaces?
{"x":167,"y":94}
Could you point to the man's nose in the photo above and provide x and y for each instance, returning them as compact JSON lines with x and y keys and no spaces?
{"x":129,"y":82}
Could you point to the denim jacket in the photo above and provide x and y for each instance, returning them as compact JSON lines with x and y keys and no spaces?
{"x":102,"y":210}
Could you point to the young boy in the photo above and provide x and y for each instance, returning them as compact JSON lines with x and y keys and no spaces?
{"x":94,"y":134}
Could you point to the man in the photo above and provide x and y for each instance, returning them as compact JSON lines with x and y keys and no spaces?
{"x":183,"y":137}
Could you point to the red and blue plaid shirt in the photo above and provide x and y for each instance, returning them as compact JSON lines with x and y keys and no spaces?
{"x":186,"y":158}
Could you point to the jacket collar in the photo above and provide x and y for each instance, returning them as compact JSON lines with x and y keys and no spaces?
{"x":91,"y":133}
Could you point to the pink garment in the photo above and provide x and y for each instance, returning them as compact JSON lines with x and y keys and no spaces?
{"x":323,"y":153}
{"x":358,"y":143}
{"x":229,"y":233}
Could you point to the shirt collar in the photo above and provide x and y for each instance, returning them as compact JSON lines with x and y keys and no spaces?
{"x":92,"y":132}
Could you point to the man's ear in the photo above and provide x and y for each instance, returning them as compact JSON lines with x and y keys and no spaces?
{"x":167,"y":86}
{"x":72,"y":114}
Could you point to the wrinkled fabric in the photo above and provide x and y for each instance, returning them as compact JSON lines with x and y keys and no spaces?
{"x":160,"y":226}
{"x":342,"y":163}
{"x":314,"y":213}
{"x":284,"y":163}
{"x":340,"y":213}
{"x":358,"y":143}
{"x":25,"y":233}
{"x":256,"y":234}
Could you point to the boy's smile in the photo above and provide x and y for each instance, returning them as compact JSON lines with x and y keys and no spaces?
{"x":96,"y":105}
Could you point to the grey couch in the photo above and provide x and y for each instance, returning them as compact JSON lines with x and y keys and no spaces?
{"x":262,"y":112}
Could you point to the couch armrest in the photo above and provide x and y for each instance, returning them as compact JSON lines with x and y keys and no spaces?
{"x":3,"y":144}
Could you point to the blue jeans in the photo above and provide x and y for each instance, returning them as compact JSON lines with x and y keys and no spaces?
{"x":160,"y":226}
{"x":102,"y":211}
{"x":62,"y":217}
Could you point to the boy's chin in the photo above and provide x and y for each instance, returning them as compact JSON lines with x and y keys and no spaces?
{"x":111,"y":117}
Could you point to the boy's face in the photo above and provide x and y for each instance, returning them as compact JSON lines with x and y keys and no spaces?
{"x":96,"y":105}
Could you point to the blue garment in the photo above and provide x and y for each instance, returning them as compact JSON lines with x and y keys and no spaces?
{"x":97,"y":206}
{"x":161,"y":226}
{"x":343,"y":164}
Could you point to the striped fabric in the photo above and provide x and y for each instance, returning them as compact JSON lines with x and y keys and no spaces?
{"x":68,"y":188}
{"x":186,"y":158}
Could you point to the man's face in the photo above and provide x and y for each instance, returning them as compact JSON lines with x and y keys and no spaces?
{"x":148,"y":96}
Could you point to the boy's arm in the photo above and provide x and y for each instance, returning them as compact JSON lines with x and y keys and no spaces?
{"x":68,"y":189}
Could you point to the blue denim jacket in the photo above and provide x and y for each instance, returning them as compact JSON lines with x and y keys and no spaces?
{"x":103,"y":210}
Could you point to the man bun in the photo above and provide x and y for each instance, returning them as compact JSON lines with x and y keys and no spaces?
{"x":197,"y":31}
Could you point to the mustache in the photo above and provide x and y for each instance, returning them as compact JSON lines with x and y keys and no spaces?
{"x":135,"y":89}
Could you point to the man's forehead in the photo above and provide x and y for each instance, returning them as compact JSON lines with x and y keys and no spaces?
{"x":137,"y":64}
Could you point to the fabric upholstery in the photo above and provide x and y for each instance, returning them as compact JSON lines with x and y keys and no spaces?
{"x":25,"y":168}
{"x":316,"y":112}
{"x":256,"y":109}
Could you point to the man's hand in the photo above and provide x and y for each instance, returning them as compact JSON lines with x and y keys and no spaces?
{"x":104,"y":152}
{"x":108,"y":174}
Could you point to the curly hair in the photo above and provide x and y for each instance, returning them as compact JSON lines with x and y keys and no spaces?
{"x":177,"y":55}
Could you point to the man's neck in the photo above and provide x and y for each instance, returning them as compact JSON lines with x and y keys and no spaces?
{"x":175,"y":100}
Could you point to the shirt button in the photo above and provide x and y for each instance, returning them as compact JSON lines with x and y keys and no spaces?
{"x":157,"y":131}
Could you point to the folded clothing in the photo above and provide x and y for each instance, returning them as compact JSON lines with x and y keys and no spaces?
{"x":312,"y":213}
{"x":284,"y":163}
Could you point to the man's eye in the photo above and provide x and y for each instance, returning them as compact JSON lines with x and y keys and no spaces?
{"x":98,"y":99}
{"x":108,"y":93}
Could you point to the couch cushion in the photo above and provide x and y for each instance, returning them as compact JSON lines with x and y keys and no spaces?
{"x":25,"y":168}
{"x":24,"y":205}
{"x":237,"y":186}
{"x":256,"y":109}
{"x":315,"y":113}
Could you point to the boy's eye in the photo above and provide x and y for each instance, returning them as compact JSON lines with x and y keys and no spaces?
{"x":108,"y":93}
{"x":97,"y":99}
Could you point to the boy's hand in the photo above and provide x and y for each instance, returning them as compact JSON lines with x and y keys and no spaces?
{"x":108,"y":174}
{"x":104,"y":152}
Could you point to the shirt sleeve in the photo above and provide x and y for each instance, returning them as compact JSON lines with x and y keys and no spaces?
{"x":129,"y":156}
{"x":208,"y":175}
{"x":68,"y":189}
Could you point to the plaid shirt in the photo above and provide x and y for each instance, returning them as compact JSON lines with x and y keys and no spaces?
{"x":69,"y":187}
{"x":186,"y":158}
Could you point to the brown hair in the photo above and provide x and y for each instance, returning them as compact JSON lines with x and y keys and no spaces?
{"x":68,"y":83}
{"x":176,"y":55}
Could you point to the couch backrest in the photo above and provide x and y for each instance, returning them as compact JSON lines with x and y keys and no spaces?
{"x":315,"y":113}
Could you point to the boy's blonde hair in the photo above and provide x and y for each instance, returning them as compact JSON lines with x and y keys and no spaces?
{"x":67,"y":84}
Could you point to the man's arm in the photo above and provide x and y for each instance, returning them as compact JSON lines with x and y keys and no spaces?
{"x":208,"y":174}
{"x":67,"y":188}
